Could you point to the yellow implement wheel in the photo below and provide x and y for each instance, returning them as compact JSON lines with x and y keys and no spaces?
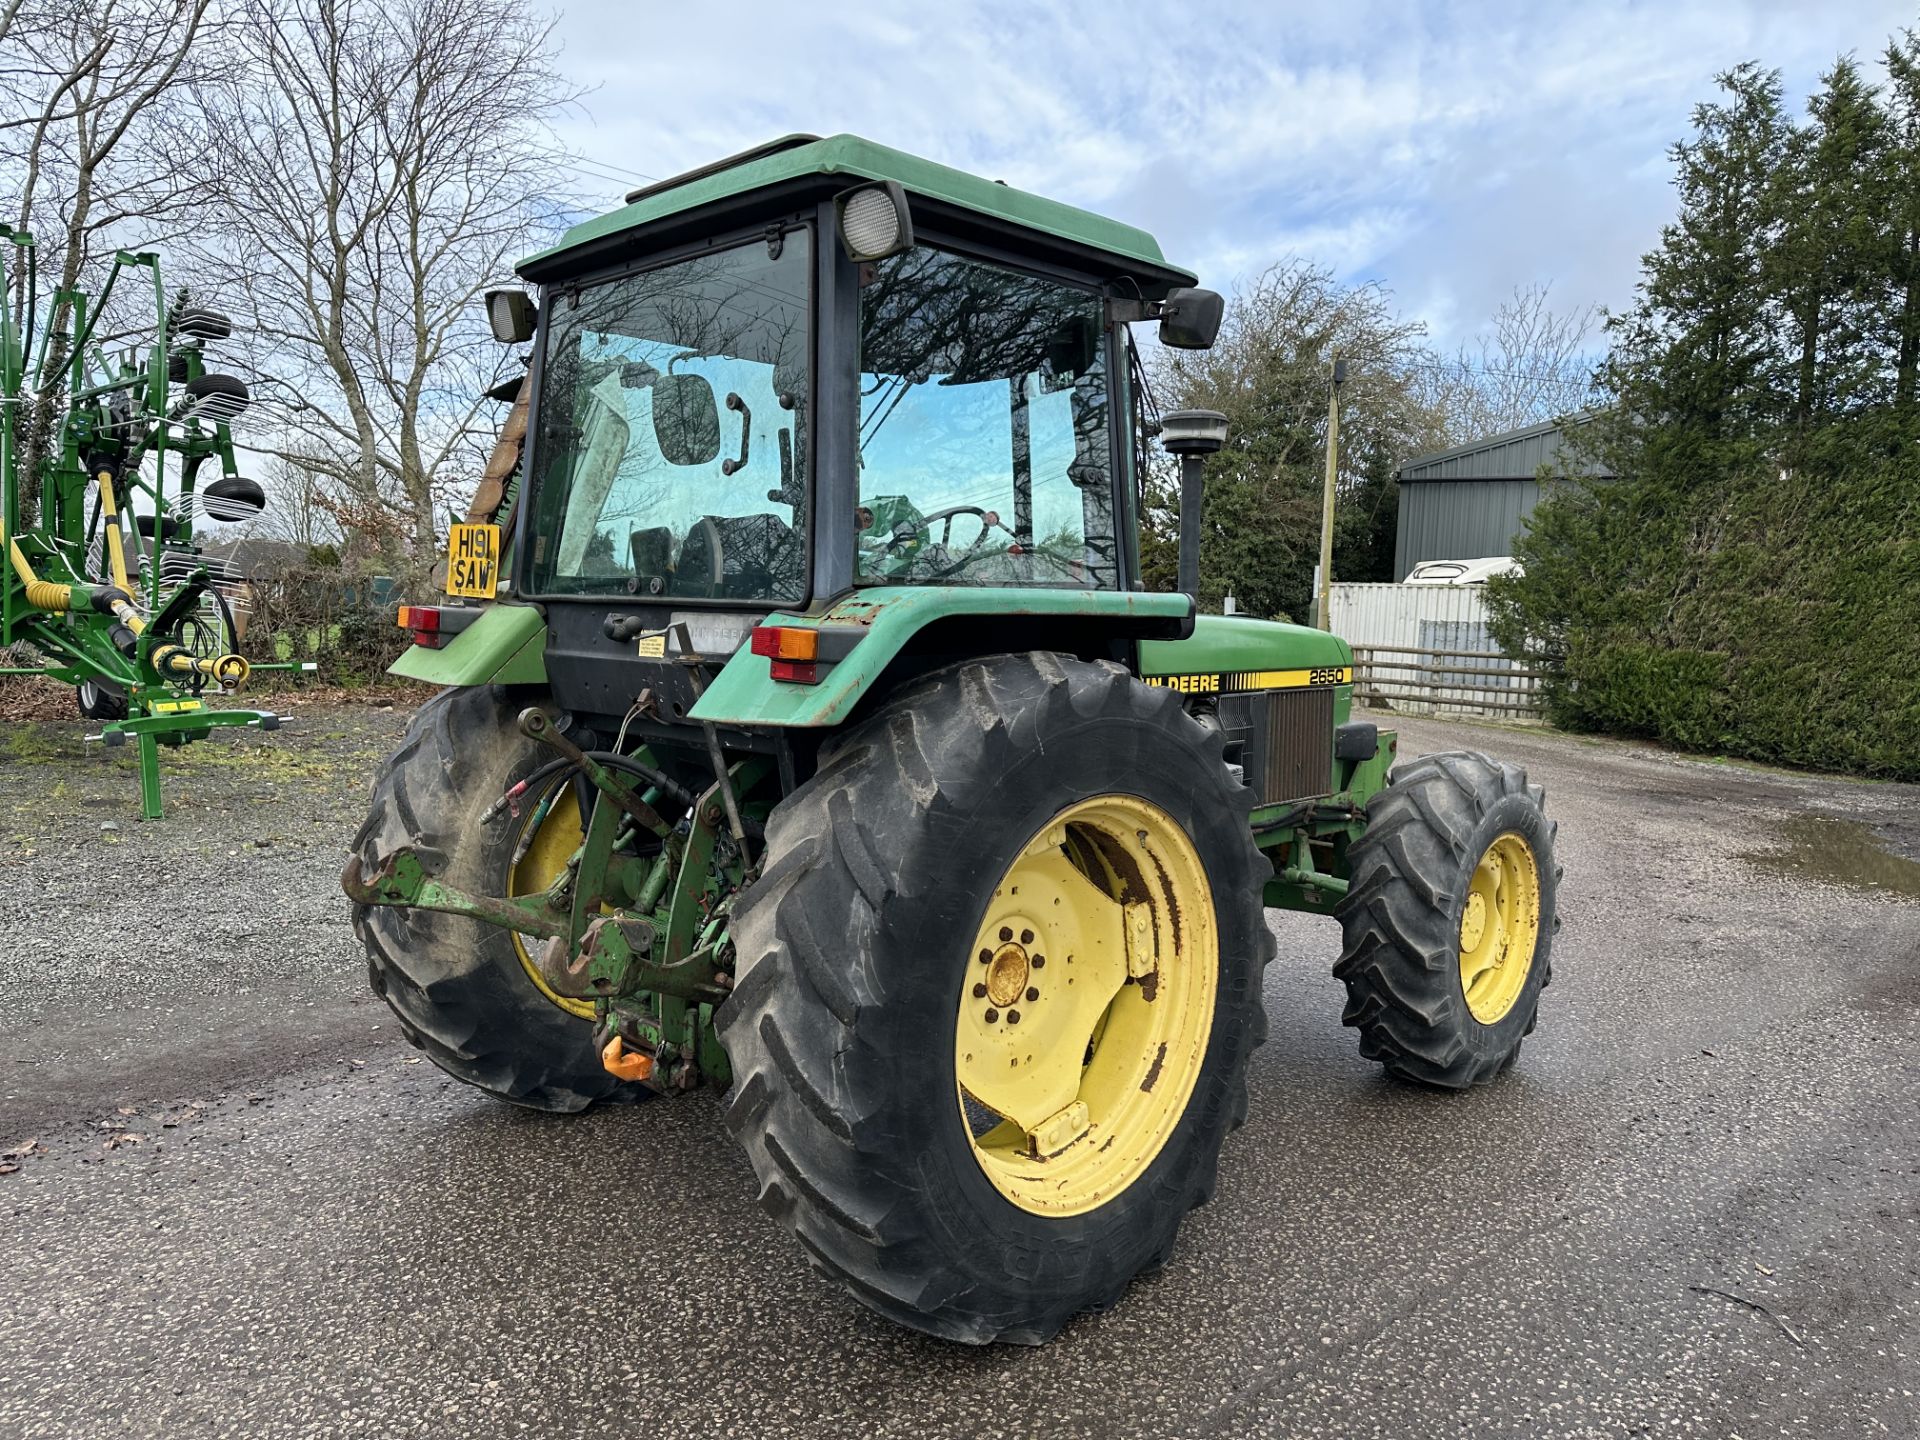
{"x":1085,"y":1015}
{"x":1499,"y":928}
{"x":553,"y":845}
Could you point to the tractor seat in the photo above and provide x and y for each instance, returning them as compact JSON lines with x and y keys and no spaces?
{"x":739,"y":555}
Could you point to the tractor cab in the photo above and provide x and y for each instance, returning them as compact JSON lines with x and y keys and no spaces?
{"x":818,"y":371}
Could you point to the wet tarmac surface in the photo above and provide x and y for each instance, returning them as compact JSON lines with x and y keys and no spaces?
{"x":1693,"y":1209}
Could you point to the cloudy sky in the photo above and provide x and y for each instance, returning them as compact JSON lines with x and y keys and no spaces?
{"x":1449,"y":150}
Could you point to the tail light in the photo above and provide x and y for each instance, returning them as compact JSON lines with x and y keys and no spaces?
{"x":792,"y":652}
{"x":422,"y":622}
{"x":436,"y":626}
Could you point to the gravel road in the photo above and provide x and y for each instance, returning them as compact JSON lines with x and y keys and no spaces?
{"x":1693,"y":1209}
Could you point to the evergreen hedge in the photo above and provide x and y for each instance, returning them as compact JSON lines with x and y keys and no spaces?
{"x":1751,"y":582}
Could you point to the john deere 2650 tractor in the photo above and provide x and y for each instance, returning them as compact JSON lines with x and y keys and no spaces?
{"x":817,"y":741}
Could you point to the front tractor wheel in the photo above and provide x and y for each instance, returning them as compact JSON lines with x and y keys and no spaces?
{"x":469,"y":994}
{"x":999,"y":983}
{"x":1449,"y":921}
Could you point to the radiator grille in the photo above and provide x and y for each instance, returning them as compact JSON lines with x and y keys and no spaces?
{"x":1299,"y":745}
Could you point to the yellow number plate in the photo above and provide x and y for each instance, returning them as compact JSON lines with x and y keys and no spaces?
{"x":473,"y":561}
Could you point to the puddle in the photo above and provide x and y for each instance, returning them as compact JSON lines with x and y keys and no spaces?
{"x":1842,"y":852}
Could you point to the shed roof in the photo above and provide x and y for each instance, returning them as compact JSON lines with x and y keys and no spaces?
{"x":1516,"y":455}
{"x":848,"y":159}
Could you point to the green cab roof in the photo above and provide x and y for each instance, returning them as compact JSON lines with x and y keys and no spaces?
{"x":789,"y":163}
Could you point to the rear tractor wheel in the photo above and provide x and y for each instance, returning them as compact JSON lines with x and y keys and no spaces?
{"x":1448,"y":925}
{"x":999,"y":983}
{"x":469,"y":995}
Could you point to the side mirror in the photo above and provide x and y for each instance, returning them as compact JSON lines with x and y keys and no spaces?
{"x":1190,"y":319}
{"x":512,"y":315}
{"x":686,"y":422}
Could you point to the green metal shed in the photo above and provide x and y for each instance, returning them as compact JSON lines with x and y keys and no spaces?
{"x":1473,"y":501}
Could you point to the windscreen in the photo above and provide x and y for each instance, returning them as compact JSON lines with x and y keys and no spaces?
{"x":984,"y":446}
{"x":670,"y":449}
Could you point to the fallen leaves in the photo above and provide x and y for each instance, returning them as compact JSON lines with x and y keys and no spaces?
{"x":11,"y":1157}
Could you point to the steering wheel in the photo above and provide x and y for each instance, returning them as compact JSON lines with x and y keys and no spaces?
{"x":989,"y":520}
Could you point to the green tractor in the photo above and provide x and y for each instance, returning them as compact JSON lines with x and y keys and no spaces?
{"x":818,"y":743}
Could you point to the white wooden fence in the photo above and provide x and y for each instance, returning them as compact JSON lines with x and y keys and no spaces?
{"x":1427,"y":650}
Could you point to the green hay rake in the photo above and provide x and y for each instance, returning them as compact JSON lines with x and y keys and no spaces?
{"x":103,"y":442}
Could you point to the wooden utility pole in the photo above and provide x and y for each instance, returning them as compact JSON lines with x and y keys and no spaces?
{"x":1323,"y":614}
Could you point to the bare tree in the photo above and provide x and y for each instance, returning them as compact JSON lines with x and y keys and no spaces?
{"x":1529,"y":365}
{"x":1269,"y":374}
{"x":93,"y":136}
{"x":380,"y":165}
{"x":304,"y":512}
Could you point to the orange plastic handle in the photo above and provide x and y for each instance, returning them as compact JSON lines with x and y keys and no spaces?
{"x":624,"y":1066}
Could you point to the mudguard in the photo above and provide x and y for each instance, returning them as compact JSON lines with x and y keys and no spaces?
{"x":506,"y":645}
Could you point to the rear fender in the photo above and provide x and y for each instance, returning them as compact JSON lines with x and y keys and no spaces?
{"x":506,"y":645}
{"x":867,"y":631}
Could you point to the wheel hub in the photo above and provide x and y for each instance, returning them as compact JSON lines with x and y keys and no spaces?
{"x":1007,"y":973}
{"x":1086,"y":1006}
{"x":1499,"y":928}
{"x":547,"y":851}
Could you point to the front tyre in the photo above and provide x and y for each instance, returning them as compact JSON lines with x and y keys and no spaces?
{"x":999,"y":982}
{"x":1449,"y":920}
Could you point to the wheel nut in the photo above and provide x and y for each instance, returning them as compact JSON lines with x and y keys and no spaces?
{"x":992,"y":1015}
{"x":1032,"y":994}
{"x":979,"y":992}
{"x":1006,"y":933}
{"x":1013,"y":1017}
{"x":1038,"y":961}
{"x":1026,"y":937}
{"x":986,"y":957}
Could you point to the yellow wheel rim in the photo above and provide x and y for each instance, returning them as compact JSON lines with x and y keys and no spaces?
{"x":553,"y":845}
{"x":1086,"y":1005}
{"x":1499,"y":927}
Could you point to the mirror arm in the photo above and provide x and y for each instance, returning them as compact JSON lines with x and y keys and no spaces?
{"x":734,"y":402}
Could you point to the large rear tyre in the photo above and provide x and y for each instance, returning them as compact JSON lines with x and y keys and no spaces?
{"x":998,"y":986}
{"x":465,"y":992}
{"x":1449,"y":921}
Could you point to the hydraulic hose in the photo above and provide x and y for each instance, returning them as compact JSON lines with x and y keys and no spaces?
{"x":41,"y":594}
{"x":612,"y":761}
{"x":608,"y":758}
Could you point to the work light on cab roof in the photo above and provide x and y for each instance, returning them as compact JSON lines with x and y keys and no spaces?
{"x":874,"y":222}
